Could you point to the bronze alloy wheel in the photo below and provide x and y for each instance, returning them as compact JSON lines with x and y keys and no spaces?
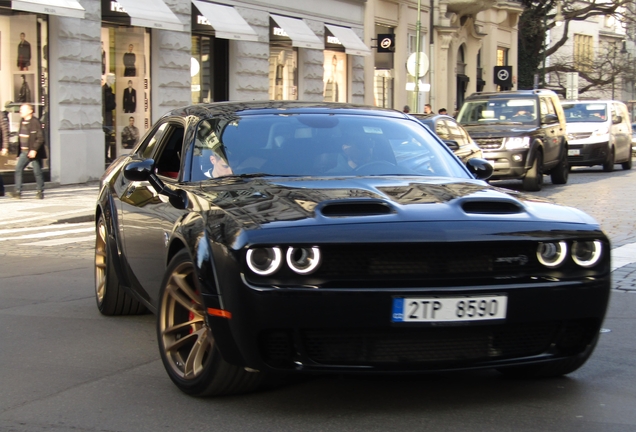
{"x":186,"y":339}
{"x":100,"y":261}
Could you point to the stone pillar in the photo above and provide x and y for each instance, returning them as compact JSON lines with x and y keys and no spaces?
{"x":171,"y":53}
{"x":369,"y":61}
{"x":76,"y":138}
{"x":311,"y":67}
{"x":357,"y":94}
{"x":249,"y":61}
{"x":400,"y":56}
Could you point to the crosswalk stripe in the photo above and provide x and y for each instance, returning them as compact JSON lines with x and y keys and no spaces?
{"x":48,"y":234}
{"x":57,"y":242}
{"x":45,"y":227}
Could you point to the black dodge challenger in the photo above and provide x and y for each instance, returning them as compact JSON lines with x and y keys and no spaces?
{"x":272,"y":238}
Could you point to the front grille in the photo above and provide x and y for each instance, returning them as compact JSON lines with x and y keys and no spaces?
{"x":489,"y":143}
{"x":446,"y":260}
{"x":433,"y":347}
{"x":428,"y":345}
{"x":579,"y":135}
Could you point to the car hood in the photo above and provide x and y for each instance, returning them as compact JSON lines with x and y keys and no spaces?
{"x":276,"y":202}
{"x":583,"y":127}
{"x":498,"y":130}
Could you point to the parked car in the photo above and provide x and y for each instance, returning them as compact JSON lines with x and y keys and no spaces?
{"x":453,"y":134}
{"x":285,"y":238}
{"x":599,"y":133}
{"x":634,"y":138}
{"x":522,"y":133}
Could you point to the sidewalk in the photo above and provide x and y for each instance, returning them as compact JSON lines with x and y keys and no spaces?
{"x":61,"y":204}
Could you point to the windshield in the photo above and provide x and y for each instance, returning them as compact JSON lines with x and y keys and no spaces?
{"x":585,"y":112}
{"x":499,"y":111}
{"x":319,"y":145}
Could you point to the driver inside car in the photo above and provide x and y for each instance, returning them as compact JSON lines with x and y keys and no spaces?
{"x":358,"y":153}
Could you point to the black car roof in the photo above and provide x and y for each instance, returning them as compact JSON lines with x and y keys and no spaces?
{"x":277,"y":107}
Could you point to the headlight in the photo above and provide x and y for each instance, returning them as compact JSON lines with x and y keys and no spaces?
{"x":603,"y":130}
{"x":552,"y":254}
{"x":512,"y":143}
{"x":303,"y":260}
{"x":587,"y":253}
{"x":264,"y":261}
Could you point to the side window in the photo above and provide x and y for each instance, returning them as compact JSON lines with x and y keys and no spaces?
{"x":148,"y":148}
{"x":168,"y":163}
{"x":441,"y":130}
{"x":456,"y":134}
{"x":547,"y":107}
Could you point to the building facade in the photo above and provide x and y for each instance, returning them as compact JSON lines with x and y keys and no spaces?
{"x":103,"y":71}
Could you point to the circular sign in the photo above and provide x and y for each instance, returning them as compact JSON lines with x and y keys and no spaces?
{"x":386,"y":43}
{"x":410,"y":65}
{"x":503,"y":75}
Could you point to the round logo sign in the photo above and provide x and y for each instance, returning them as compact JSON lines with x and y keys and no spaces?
{"x":385,"y":43}
{"x":503,"y":75}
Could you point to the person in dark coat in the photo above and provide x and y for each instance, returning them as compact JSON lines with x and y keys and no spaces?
{"x":129,"y":62}
{"x":130,"y":98}
{"x":31,"y":150}
{"x":4,"y":143}
{"x":25,"y":91}
{"x":24,"y":53}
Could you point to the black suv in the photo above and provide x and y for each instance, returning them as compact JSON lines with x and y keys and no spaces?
{"x":521,"y":133}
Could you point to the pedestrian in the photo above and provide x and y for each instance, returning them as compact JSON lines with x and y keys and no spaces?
{"x":4,"y":144}
{"x":428,"y":110}
{"x":442,"y":111}
{"x":31,"y":150}
{"x":406,"y":109}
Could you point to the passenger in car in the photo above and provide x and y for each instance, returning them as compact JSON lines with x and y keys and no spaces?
{"x":220,"y":167}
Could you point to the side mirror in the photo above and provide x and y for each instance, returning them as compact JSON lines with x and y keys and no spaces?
{"x":451,"y":144}
{"x":143,"y":171}
{"x":480,"y":168}
{"x":550,"y":118}
{"x":139,"y":170}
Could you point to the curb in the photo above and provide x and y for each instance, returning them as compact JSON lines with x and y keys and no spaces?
{"x":75,"y":219}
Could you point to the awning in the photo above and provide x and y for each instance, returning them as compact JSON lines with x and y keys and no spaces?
{"x":65,"y":8}
{"x":299,"y":32}
{"x":226,"y":21}
{"x":352,"y":43}
{"x":151,"y":13}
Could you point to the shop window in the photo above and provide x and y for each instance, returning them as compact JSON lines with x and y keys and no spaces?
{"x":125,"y":87}
{"x":335,"y":76}
{"x":23,"y":75}
{"x":209,"y":70}
{"x":283,"y":73}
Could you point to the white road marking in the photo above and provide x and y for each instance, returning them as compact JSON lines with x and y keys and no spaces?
{"x":48,"y":234}
{"x":623,"y":255}
{"x":57,"y":242}
{"x":45,"y":227}
{"x":48,"y":216}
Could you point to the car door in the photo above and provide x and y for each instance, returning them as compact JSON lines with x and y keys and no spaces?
{"x":552,"y":132}
{"x":148,"y":216}
{"x":620,"y":131}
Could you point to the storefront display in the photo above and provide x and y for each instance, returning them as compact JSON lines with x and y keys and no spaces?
{"x":283,"y":73}
{"x":125,"y":87}
{"x":23,"y":73}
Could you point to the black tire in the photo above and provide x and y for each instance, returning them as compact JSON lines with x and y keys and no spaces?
{"x":533,"y":181}
{"x":560,"y":173}
{"x":627,"y":165}
{"x":552,"y":369}
{"x":608,"y":165}
{"x":186,"y":344}
{"x":111,"y":297}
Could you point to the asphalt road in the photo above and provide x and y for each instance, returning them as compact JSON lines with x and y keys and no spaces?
{"x":65,"y":367}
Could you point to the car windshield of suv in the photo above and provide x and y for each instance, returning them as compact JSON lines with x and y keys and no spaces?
{"x":585,"y":112}
{"x":319,"y":145}
{"x":499,"y":111}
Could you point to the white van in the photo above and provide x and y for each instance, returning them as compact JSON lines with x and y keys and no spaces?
{"x":599,"y":133}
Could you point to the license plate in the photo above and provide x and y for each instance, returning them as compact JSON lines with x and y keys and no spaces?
{"x":574,"y":152}
{"x":449,"y":309}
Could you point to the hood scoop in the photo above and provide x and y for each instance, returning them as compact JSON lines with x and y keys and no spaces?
{"x":354,"y":209}
{"x":492,"y":207}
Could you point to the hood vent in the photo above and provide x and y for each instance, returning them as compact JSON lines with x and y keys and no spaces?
{"x":491,"y":207}
{"x":355,"y":209}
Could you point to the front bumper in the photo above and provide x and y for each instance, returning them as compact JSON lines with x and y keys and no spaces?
{"x":340,"y":330}
{"x":588,"y":154}
{"x":508,"y":164}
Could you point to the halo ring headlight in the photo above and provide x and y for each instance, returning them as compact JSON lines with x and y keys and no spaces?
{"x":264,"y":260}
{"x":552,"y":254}
{"x":303,"y":260}
{"x":587,"y":253}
